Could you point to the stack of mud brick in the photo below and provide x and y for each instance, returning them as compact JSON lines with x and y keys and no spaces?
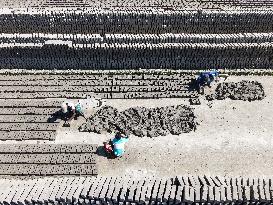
{"x":194,"y":4}
{"x":30,"y":103}
{"x":22,"y":115}
{"x":170,"y":4}
{"x":133,"y":39}
{"x":129,"y":190}
{"x":107,"y":85}
{"x":48,"y":159}
{"x":64,"y":3}
{"x":243,"y":4}
{"x":23,"y":119}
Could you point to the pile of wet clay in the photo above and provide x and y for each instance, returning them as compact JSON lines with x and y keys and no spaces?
{"x":141,"y":121}
{"x":243,"y":90}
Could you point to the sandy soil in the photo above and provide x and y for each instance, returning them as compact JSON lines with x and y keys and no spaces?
{"x":233,"y":138}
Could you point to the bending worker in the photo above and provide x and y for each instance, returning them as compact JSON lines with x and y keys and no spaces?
{"x":118,"y":143}
{"x":206,"y":78}
{"x":70,"y":111}
{"x":116,"y":146}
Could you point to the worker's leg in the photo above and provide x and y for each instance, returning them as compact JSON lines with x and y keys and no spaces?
{"x":111,"y":144}
{"x":78,"y":114}
{"x":65,"y":116}
{"x":211,"y":79}
{"x":199,"y":87}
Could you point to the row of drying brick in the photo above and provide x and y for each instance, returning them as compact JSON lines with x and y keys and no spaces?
{"x":179,"y":86}
{"x":75,"y":39}
{"x":127,"y":3}
{"x":209,"y":59}
{"x":204,"y":4}
{"x":29,"y":121}
{"x":62,"y":4}
{"x":28,"y":135}
{"x":27,"y":126}
{"x":121,"y":11}
{"x":137,"y":22}
{"x":47,"y":148}
{"x":137,"y":50}
{"x":48,"y":158}
{"x":47,"y":169}
{"x":90,"y":77}
{"x":49,"y":103}
{"x":184,"y":38}
{"x":35,"y":125}
{"x":186,"y":63}
{"x":81,"y":95}
{"x":105,"y":86}
{"x":120,"y":190}
{"x":131,"y":4}
{"x":87,"y":4}
{"x":25,"y":110}
{"x":244,"y":4}
{"x":18,"y":121}
{"x":70,"y":84}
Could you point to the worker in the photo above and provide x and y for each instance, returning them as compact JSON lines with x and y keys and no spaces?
{"x":79,"y":110}
{"x":70,"y":111}
{"x":119,"y":142}
{"x":115,"y":147}
{"x":206,"y":78}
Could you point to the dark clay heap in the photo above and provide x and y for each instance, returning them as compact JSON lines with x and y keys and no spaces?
{"x":142,"y":122}
{"x":244,"y":90}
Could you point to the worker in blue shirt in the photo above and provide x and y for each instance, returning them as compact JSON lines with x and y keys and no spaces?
{"x":118,"y":144}
{"x":206,"y":78}
{"x":115,"y":147}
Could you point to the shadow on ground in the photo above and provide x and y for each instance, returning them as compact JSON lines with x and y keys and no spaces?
{"x":58,"y":115}
{"x":101,"y":152}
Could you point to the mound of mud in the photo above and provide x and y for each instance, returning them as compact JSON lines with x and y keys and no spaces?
{"x":141,"y":121}
{"x":244,"y":90}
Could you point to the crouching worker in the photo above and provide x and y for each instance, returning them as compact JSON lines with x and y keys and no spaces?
{"x":205,"y":79}
{"x":116,"y":146}
{"x":70,"y":111}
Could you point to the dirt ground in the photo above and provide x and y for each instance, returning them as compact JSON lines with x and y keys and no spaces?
{"x":233,"y":138}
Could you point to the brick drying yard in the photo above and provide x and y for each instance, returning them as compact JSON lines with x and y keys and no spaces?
{"x":141,"y":58}
{"x":232,"y":138}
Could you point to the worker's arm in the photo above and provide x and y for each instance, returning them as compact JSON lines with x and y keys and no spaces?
{"x":125,"y":139}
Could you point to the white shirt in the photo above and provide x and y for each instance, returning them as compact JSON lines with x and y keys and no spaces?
{"x":70,"y":104}
{"x":65,"y":107}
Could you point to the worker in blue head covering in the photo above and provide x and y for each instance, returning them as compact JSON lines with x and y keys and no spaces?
{"x":206,"y":78}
